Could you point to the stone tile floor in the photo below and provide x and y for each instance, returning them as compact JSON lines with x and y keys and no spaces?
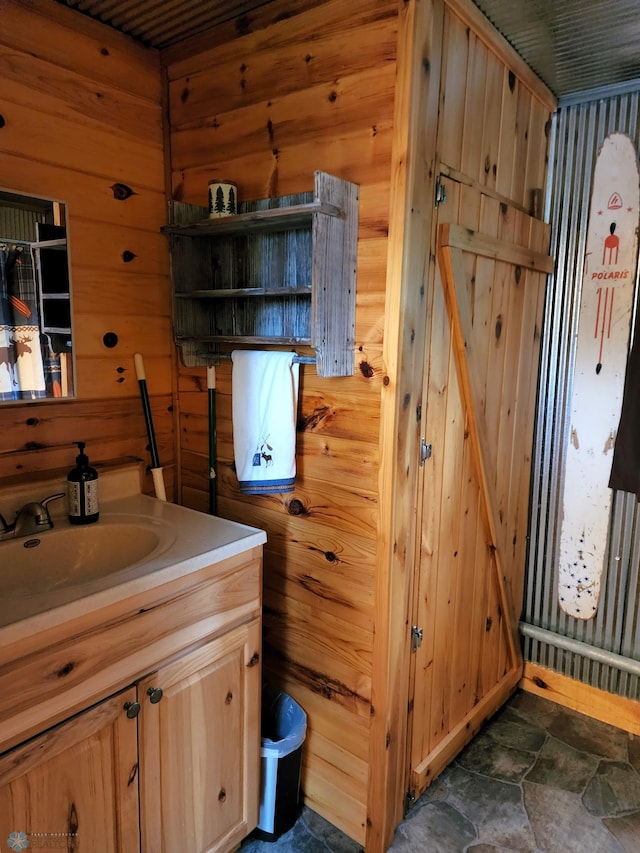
{"x":539,"y":778}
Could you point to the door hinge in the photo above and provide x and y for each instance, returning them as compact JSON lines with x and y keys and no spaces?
{"x":416,"y":637}
{"x":441,"y":192}
{"x":409,"y":799}
{"x":425,"y":451}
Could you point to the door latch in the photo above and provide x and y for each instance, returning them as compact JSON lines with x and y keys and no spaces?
{"x":441,"y":192}
{"x":425,"y":451}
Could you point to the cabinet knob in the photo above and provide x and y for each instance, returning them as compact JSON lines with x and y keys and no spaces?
{"x":154,"y":694}
{"x":132,"y":709}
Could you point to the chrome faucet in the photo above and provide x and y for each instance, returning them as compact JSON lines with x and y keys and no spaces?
{"x":33,"y":518}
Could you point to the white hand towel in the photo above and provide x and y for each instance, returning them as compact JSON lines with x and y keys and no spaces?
{"x":264,"y":397}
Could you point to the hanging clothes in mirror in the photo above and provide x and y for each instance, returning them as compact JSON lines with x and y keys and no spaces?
{"x":21,"y":366}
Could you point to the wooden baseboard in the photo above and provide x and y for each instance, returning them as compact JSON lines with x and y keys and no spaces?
{"x":599,"y":704}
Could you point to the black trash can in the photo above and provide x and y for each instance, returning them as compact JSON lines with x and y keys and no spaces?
{"x":284,"y":727}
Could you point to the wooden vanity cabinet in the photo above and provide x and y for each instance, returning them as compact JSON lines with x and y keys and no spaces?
{"x":170,"y":762}
{"x":200,"y":747}
{"x":74,"y":787}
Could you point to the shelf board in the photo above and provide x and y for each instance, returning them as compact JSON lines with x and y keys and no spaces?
{"x":256,"y":221}
{"x":230,"y":293}
{"x":59,"y":243}
{"x":240,"y":339}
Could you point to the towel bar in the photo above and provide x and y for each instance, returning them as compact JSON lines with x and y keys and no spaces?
{"x":216,"y":358}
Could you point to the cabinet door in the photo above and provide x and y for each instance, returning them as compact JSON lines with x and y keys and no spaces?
{"x":75,"y":787}
{"x":200,"y":747}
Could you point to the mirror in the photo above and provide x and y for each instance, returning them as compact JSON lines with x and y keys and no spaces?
{"x":36,"y":355}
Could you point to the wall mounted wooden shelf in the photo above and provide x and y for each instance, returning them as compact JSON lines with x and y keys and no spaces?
{"x":280,"y":272}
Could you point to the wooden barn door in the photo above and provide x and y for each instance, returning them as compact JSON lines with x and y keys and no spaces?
{"x":483,"y":333}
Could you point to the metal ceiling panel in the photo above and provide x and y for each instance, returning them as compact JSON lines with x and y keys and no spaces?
{"x":572,"y":45}
{"x":162,"y":23}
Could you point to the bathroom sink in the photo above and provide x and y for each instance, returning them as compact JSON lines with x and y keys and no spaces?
{"x":68,"y":555}
{"x":138,"y":543}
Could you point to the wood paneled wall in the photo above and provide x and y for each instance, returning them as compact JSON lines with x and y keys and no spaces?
{"x":385,"y":94}
{"x":266,"y":109}
{"x":380,"y":92}
{"x":82,"y":110}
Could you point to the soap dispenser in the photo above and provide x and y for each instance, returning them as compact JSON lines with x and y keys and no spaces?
{"x":82,"y":490}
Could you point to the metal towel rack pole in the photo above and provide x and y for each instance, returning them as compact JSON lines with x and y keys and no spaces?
{"x":226,"y":356}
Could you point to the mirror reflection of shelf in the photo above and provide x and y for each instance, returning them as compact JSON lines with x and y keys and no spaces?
{"x":53,"y":286}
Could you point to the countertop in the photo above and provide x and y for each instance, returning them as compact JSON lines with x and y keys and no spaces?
{"x":189,"y":541}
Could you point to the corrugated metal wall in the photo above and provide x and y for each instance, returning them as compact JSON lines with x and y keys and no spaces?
{"x":579,"y":130}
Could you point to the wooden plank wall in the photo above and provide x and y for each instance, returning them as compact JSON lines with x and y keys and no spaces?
{"x":265,"y":105}
{"x":266,"y":109}
{"x":82,"y":111}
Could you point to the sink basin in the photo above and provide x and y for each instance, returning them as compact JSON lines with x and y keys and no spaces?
{"x":70,"y":555}
{"x":138,"y":543}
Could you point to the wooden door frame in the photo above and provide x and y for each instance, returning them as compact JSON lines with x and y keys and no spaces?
{"x":409,"y":270}
{"x":409,"y":291}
